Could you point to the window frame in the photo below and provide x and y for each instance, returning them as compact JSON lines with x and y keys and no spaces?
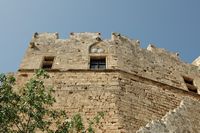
{"x":189,"y":82}
{"x":98,"y":63}
{"x":47,"y":62}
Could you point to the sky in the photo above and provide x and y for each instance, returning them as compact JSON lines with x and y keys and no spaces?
{"x":170,"y":24}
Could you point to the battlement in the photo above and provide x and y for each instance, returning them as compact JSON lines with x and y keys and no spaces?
{"x":50,"y":39}
{"x":88,"y":51}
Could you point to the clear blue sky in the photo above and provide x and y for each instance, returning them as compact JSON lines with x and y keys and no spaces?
{"x":170,"y":24}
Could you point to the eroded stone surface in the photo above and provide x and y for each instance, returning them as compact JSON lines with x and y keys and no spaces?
{"x":196,"y":61}
{"x":183,"y":119}
{"x":138,"y":85}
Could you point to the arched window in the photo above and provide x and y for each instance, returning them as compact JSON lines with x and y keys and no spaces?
{"x":97,"y":54}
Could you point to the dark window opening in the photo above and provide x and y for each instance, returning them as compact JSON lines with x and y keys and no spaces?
{"x":24,"y":75}
{"x":47,"y":62}
{"x":189,"y":83}
{"x":98,"y":63}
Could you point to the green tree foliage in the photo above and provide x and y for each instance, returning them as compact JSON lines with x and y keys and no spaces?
{"x":31,"y":110}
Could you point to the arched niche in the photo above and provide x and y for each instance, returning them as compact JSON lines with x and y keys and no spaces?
{"x":98,"y":48}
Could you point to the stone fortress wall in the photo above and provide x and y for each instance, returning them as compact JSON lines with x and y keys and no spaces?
{"x":138,"y":85}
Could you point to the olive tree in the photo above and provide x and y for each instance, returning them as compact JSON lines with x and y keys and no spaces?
{"x":30,"y":109}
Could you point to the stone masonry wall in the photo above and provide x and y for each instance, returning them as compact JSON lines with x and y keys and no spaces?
{"x":183,"y":119}
{"x":138,"y":85}
{"x":141,"y":100}
{"x":154,"y":63}
{"x":120,"y":52}
{"x":87,"y":93}
{"x":129,"y":101}
{"x":73,"y":53}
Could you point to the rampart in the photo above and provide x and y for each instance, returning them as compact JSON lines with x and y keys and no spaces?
{"x":132,"y":85}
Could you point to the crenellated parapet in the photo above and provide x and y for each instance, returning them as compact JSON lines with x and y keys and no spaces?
{"x":86,"y":51}
{"x":132,"y":85}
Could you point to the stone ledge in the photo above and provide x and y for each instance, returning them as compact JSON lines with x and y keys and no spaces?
{"x":137,"y":77}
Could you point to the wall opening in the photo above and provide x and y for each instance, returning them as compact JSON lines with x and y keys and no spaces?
{"x":47,"y":62}
{"x":97,"y":63}
{"x":190,"y":84}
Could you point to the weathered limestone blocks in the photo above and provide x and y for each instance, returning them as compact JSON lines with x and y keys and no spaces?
{"x":85,"y":92}
{"x":153,"y":48}
{"x":86,"y":36}
{"x":196,"y":62}
{"x":120,"y":53}
{"x":136,"y":87}
{"x":183,"y":119}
